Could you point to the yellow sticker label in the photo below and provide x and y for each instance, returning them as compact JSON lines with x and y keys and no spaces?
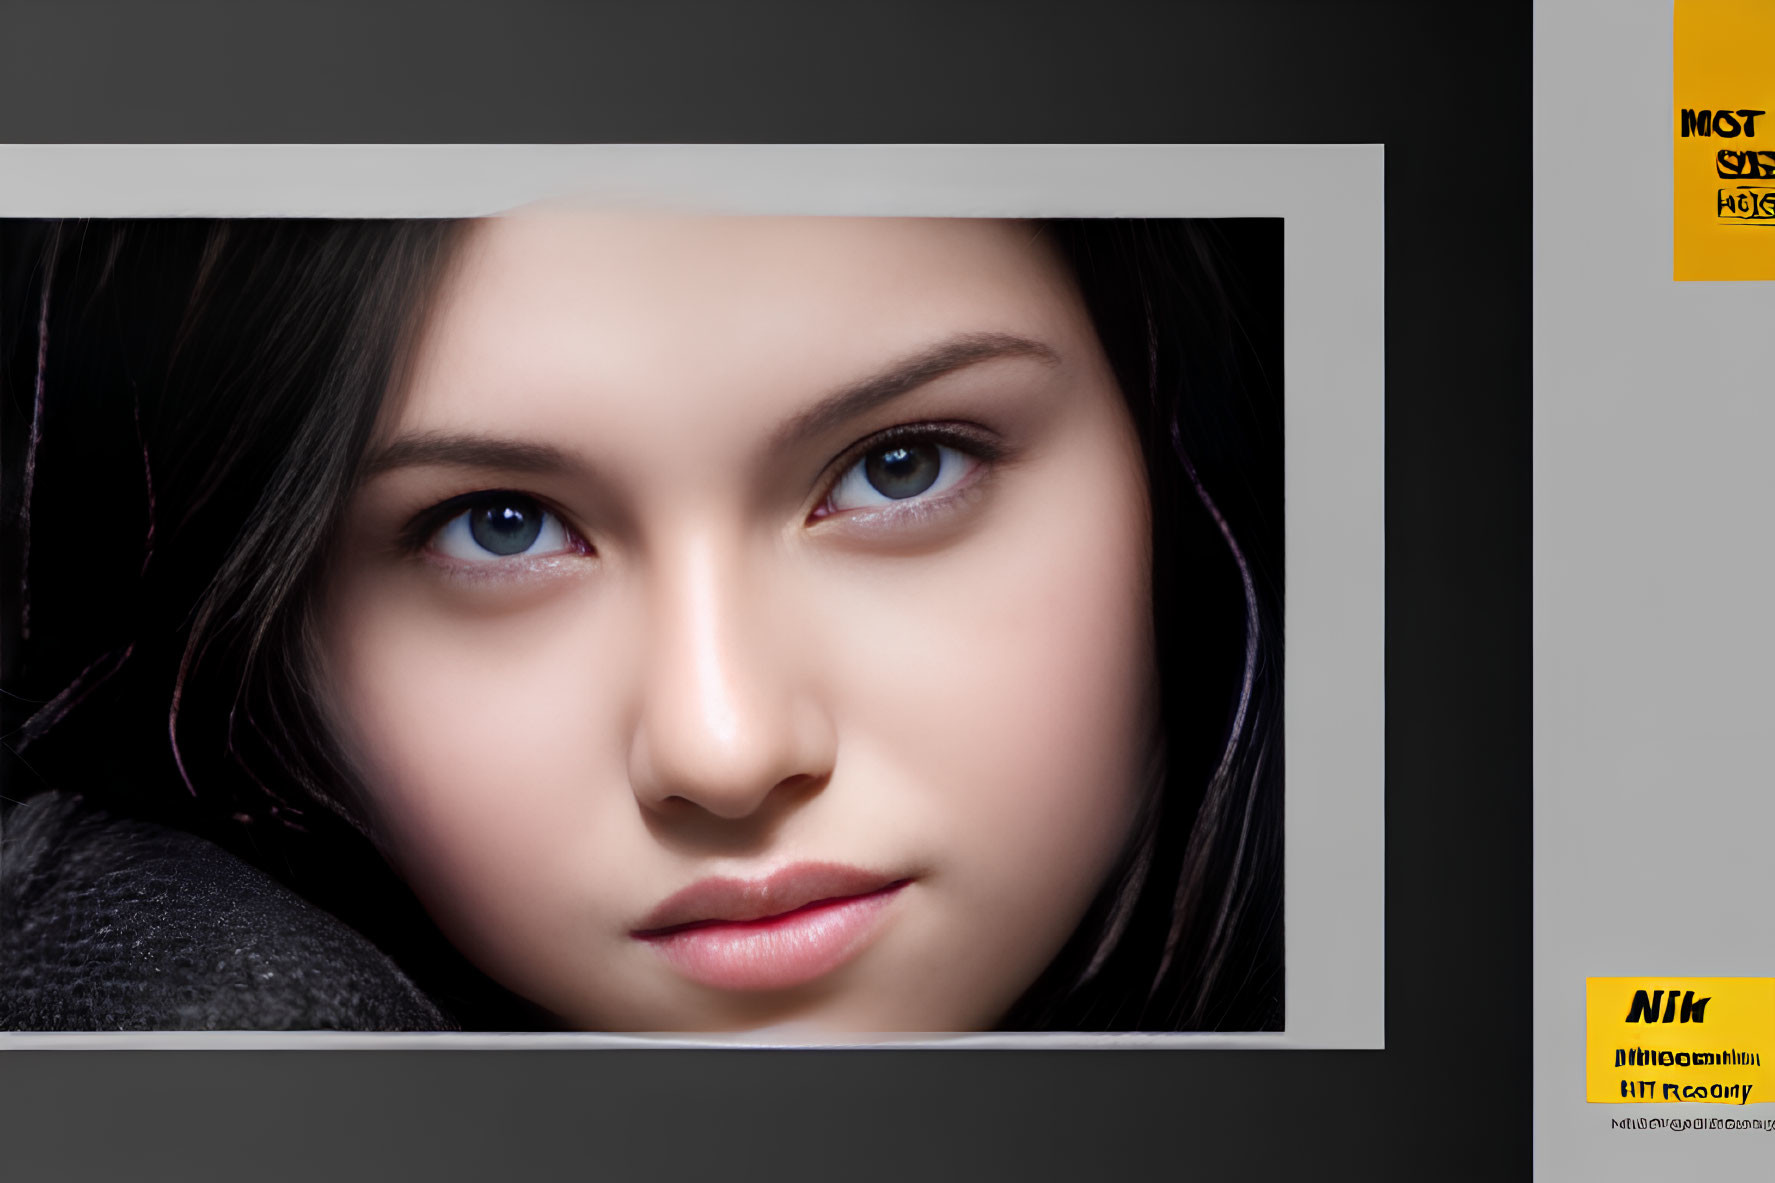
{"x":1724,"y":131}
{"x":1680,"y":1039}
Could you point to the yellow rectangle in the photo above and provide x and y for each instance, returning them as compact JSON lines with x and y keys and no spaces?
{"x":1723,"y":128}
{"x":1674,"y":1040}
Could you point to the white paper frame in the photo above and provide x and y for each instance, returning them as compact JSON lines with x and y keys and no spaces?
{"x":1331,"y":197}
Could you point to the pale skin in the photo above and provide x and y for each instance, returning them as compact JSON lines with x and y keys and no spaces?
{"x":726,"y":651}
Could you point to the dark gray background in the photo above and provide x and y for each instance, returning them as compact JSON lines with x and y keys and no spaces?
{"x":1446,"y":88}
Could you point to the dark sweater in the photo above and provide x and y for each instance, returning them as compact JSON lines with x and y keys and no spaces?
{"x":108,"y":924}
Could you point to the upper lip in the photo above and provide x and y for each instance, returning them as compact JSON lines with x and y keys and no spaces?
{"x":720,"y":899}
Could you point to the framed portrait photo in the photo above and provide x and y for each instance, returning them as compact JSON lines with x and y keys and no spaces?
{"x":665,"y":595}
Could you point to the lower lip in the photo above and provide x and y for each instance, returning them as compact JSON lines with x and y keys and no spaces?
{"x":778,"y":952}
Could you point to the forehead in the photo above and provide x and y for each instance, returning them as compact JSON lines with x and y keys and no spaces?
{"x":711,"y":322}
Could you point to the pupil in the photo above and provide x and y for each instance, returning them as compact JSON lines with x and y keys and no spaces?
{"x":506,"y":527}
{"x":903,"y":470}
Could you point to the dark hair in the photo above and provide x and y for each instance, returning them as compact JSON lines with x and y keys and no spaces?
{"x":1187,"y":933}
{"x":184,"y":406}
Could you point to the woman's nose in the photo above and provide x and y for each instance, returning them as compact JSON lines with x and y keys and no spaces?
{"x":726,"y":716}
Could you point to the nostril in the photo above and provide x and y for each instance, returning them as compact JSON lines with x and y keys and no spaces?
{"x":800,"y":784}
{"x":736,"y":799}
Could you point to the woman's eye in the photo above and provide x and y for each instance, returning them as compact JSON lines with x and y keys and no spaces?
{"x":899,"y":471}
{"x":501,"y":526}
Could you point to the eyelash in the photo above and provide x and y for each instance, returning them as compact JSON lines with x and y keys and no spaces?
{"x":966,"y":438}
{"x":423,"y":530}
{"x":971,"y":441}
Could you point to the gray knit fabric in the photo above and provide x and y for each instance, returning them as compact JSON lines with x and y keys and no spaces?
{"x":108,"y":924}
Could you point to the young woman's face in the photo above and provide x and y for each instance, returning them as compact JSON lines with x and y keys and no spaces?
{"x":747,"y":622}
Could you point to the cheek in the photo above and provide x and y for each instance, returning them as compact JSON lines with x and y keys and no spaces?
{"x":1044,"y":699}
{"x":480,"y":741}
{"x":1014,"y":691}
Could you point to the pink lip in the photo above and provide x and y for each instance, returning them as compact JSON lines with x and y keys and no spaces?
{"x":791,"y":927}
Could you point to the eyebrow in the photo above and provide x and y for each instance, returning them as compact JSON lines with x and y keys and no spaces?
{"x":907,"y":375}
{"x":900,"y":377}
{"x":467,"y":451}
